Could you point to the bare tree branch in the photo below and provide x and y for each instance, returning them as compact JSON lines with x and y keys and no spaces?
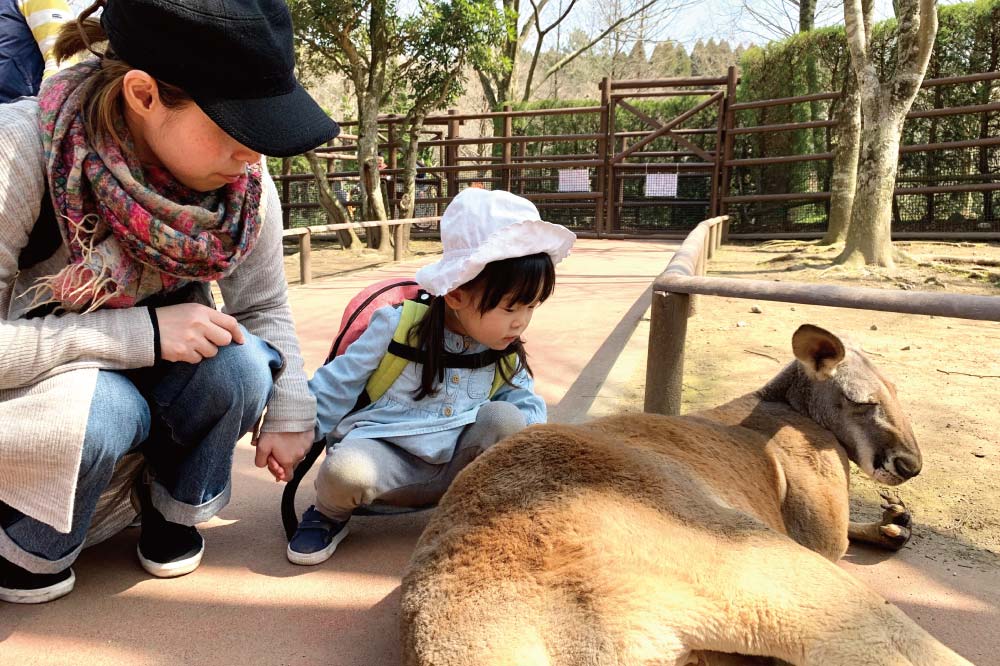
{"x":541,"y":33}
{"x":583,"y":49}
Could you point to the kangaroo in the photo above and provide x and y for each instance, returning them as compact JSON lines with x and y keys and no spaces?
{"x":647,"y":539}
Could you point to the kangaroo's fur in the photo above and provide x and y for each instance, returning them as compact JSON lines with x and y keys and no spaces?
{"x":645,"y":539}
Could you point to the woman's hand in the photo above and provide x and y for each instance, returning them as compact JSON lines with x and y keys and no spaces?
{"x":190,"y":332}
{"x":280,"y":452}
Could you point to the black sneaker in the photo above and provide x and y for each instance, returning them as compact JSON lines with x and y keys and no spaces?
{"x":166,"y":549}
{"x":316,"y":538}
{"x":20,"y":586}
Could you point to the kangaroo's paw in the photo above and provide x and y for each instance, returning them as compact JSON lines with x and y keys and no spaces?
{"x":891,"y":532}
{"x":896,"y":521}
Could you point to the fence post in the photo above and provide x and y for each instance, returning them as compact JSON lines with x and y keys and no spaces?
{"x":727,"y":155}
{"x":522,"y":150}
{"x":305,"y":257}
{"x":716,"y":194}
{"x":508,"y":132}
{"x":665,"y":355}
{"x":610,"y":196}
{"x":602,"y":156}
{"x":286,"y":193}
{"x":451,"y":155}
{"x":397,"y":242}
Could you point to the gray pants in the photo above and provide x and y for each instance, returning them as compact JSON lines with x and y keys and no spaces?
{"x":358,"y":472}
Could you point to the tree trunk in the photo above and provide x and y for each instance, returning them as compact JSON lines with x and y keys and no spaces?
{"x":372,"y":205}
{"x":499,"y":87}
{"x":844,"y":179}
{"x":884,"y":105}
{"x":869,"y":237}
{"x":407,"y":199}
{"x":335,"y":211}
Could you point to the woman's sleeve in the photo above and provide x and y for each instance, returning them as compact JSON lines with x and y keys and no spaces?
{"x":32,"y":348}
{"x":256,"y":294}
{"x":338,"y":384}
{"x":522,"y":395}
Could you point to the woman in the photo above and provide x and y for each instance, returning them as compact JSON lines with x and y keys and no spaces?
{"x":148,"y":159}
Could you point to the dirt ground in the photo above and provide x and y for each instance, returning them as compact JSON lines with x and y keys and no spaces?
{"x":947,"y":372}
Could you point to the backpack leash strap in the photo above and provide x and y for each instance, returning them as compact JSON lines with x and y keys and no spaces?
{"x":289,"y":518}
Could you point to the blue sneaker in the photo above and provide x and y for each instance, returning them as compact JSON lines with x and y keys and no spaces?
{"x":316,"y":538}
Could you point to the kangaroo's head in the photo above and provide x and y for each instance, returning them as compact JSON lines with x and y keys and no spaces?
{"x":839,"y":388}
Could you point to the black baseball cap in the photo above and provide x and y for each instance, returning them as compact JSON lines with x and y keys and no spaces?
{"x":233,"y":57}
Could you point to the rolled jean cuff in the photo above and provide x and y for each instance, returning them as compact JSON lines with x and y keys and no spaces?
{"x":12,"y":552}
{"x":187,"y":514}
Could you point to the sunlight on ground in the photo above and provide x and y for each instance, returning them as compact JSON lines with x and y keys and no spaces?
{"x":243,"y":589}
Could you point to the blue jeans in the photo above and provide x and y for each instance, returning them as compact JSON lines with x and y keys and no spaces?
{"x":185,"y":419}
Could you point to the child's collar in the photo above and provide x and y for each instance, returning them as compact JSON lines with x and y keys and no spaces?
{"x":458,"y":343}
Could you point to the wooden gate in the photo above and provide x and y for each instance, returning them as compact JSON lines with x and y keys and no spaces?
{"x":664,"y":177}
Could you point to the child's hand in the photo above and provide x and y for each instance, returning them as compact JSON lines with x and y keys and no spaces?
{"x":280,"y":452}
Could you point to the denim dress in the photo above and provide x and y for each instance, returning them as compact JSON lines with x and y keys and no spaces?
{"x":428,"y":428}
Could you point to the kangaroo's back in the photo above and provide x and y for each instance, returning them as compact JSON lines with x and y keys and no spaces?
{"x":645,"y":539}
{"x":559,"y":525}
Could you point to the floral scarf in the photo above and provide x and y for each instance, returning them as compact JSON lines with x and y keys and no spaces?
{"x":132,"y":231}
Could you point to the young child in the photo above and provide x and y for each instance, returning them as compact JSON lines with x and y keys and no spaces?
{"x":406,"y":447}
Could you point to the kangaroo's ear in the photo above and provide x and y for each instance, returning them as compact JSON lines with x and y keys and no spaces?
{"x":818,"y":350}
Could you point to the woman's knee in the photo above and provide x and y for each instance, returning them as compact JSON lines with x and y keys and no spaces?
{"x":244,"y":372}
{"x":250,"y":365}
{"x":118,"y":421}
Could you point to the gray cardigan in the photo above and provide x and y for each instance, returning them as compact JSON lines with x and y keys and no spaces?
{"x":49,"y":365}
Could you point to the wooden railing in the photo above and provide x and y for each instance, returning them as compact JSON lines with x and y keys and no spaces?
{"x":304,"y":235}
{"x":685,"y":277}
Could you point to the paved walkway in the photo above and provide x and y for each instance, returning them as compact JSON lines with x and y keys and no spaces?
{"x":247,"y":605}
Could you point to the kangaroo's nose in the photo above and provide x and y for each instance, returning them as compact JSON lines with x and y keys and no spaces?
{"x":906,"y":467}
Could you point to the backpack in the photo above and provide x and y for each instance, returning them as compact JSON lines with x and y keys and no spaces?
{"x":407,"y":295}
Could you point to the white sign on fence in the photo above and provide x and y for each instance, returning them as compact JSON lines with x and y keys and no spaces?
{"x":574,"y":180}
{"x":661,"y":184}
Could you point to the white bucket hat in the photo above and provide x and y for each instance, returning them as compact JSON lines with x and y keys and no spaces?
{"x":482,"y":226}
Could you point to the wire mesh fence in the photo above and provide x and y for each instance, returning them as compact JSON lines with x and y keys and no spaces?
{"x":768,"y":165}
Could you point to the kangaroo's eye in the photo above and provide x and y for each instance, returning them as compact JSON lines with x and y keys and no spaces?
{"x":860,"y":405}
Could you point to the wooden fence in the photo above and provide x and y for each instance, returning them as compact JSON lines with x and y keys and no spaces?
{"x":633,"y":170}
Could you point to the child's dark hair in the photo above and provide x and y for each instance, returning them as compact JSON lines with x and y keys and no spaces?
{"x":520,"y":280}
